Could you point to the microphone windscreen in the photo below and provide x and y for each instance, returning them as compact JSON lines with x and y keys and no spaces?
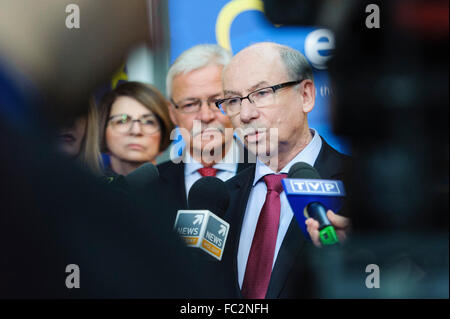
{"x":303,"y":170}
{"x":143,"y":176}
{"x":209,"y":193}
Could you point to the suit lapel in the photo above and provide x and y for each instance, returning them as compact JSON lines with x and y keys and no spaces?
{"x":242,"y":166}
{"x":241,"y":186}
{"x":292,"y":246}
{"x":245,"y":158}
{"x":330,"y":163}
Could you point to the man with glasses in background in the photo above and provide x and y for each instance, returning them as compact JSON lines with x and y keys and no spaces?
{"x":268,"y":93}
{"x":194,"y":84}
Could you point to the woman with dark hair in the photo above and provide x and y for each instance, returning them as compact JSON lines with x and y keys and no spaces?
{"x":135,"y":126}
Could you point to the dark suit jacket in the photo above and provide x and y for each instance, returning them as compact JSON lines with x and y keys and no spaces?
{"x":171,"y":184}
{"x":170,"y":192}
{"x":291,"y":276}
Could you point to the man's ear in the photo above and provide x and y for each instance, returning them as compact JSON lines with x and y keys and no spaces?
{"x":172,"y":113}
{"x":309,"y":95}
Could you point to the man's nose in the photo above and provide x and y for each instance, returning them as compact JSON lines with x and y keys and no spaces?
{"x":248,"y":111}
{"x":205,"y":113}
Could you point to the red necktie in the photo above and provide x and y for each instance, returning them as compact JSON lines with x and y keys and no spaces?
{"x":260,"y":258}
{"x":207,"y":171}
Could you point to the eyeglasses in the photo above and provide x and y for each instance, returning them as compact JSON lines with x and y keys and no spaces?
{"x":260,"y":98}
{"x":122,"y":123}
{"x":194,"y":105}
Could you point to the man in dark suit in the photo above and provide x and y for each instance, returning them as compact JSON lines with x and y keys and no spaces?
{"x":268,"y":92}
{"x":194,"y":83}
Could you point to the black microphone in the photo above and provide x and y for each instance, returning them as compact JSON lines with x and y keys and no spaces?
{"x":303,"y":170}
{"x":139,"y":180}
{"x":314,"y":209}
{"x":209,"y":193}
{"x":201,"y":226}
{"x":142,"y":178}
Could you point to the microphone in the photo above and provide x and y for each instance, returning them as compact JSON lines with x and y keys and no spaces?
{"x":199,"y":227}
{"x":139,"y":180}
{"x":142,"y":178}
{"x":310,"y":196}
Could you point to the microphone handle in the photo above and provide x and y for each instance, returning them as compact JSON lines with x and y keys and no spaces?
{"x":327,"y":233}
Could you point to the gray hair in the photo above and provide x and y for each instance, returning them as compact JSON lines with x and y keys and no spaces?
{"x":195,"y":58}
{"x":297,"y":66}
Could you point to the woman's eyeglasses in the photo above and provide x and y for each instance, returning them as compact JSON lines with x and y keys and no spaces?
{"x":122,"y":123}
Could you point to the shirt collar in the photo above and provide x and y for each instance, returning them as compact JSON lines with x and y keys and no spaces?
{"x":308,"y":155}
{"x":228,"y":163}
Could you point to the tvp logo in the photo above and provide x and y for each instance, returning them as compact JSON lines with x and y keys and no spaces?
{"x":312,"y":186}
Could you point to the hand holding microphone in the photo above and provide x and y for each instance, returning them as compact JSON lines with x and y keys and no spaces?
{"x":341,"y":226}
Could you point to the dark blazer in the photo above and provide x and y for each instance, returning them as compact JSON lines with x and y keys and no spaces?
{"x":291,"y":277}
{"x":171,"y":185}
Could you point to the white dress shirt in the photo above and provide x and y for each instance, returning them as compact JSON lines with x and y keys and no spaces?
{"x":257,"y":198}
{"x":227,"y":167}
